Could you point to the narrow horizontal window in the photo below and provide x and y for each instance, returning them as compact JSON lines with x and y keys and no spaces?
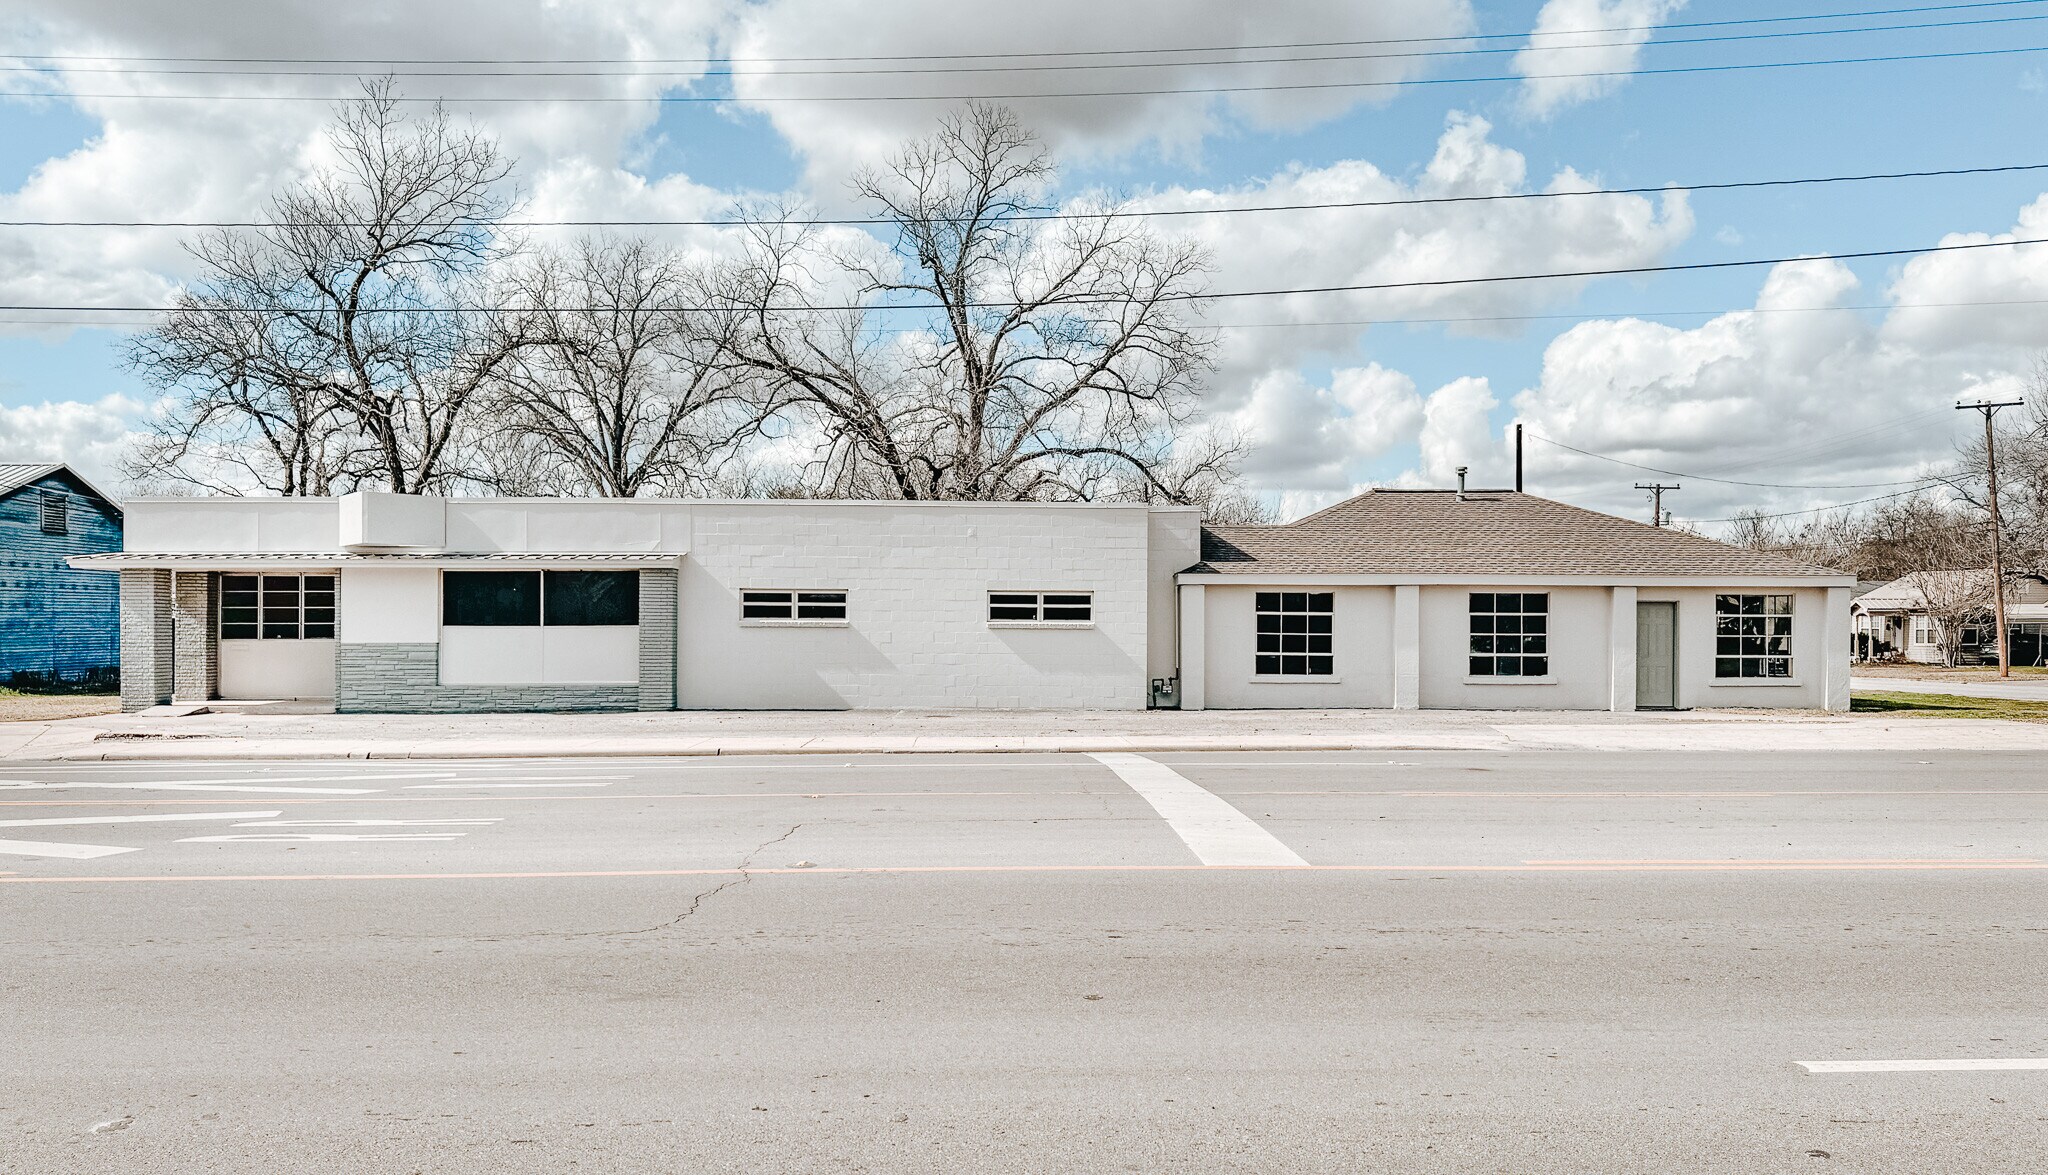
{"x":795,"y":606}
{"x":1294,"y":634}
{"x":1041,"y":607}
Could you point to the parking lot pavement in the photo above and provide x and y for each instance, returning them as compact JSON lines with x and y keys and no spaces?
{"x":1532,"y":961}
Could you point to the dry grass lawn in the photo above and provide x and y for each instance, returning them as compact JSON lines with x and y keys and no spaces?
{"x":17,"y":707}
{"x":1944,"y":673}
{"x":1947,"y":706}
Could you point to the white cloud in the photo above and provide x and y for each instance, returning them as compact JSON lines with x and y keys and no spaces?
{"x":89,"y":437}
{"x":1568,"y":39}
{"x":1309,"y":438}
{"x":2016,"y":275}
{"x":834,"y":136}
{"x":1455,"y":434}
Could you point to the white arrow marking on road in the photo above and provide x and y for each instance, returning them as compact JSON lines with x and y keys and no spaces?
{"x":358,"y":823}
{"x":50,"y":821}
{"x":1958,"y":1065}
{"x":1218,"y":833}
{"x":310,"y":837}
{"x":37,"y":848}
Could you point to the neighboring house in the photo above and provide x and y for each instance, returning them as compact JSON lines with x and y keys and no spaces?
{"x":1896,"y":620}
{"x":1391,"y":599}
{"x":56,"y":622}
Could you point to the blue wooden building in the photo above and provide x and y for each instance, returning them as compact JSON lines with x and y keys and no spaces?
{"x":56,"y":622}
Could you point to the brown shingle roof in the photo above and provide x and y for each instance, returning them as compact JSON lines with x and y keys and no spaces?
{"x":1489,"y":532}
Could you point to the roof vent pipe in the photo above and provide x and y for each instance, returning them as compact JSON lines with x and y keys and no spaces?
{"x":1461,"y":483}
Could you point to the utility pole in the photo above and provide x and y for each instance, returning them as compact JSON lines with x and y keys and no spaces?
{"x":1657,"y":500}
{"x":1990,"y":409}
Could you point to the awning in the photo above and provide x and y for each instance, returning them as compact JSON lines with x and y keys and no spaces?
{"x":324,"y":560}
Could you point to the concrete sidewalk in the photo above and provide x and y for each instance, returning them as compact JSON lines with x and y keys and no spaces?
{"x":2019,"y":689}
{"x":273,"y":735}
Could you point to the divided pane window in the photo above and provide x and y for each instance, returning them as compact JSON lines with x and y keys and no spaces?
{"x":1752,"y":636}
{"x":588,"y":598}
{"x":819,"y":606}
{"x":1294,"y":634}
{"x":56,"y":512}
{"x":527,"y":599}
{"x":1042,"y":607}
{"x":276,"y":607}
{"x":1510,"y":634}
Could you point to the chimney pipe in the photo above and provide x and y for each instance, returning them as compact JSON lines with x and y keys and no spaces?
{"x":1461,"y":483}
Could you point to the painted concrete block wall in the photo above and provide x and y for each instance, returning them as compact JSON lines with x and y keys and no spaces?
{"x":404,"y":679}
{"x":195,"y":636}
{"x":1580,"y":622}
{"x":1362,"y":643}
{"x":917,"y":580}
{"x":1174,"y":544}
{"x":657,"y":661}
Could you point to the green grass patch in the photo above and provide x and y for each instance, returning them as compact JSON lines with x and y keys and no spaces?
{"x":1947,"y":706}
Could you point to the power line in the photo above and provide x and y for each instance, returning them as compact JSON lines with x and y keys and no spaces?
{"x":1815,"y":510}
{"x":707,"y":70}
{"x":1440,"y":321}
{"x":1766,"y":485}
{"x":1018,"y":54}
{"x":1364,"y":287}
{"x":1111,"y":214}
{"x":1291,"y":87}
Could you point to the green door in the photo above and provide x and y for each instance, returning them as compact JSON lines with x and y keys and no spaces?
{"x":1656,"y":655}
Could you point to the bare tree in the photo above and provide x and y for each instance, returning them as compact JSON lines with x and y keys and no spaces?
{"x":616,"y":383}
{"x":1045,"y":359}
{"x":353,"y":303}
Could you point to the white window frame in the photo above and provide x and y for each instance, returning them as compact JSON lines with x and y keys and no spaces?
{"x":299,"y":622}
{"x":1040,"y":602}
{"x":1925,"y":631}
{"x":1768,"y":619}
{"x":793,"y":599}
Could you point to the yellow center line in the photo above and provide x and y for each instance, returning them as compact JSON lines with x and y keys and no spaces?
{"x":1526,"y":867}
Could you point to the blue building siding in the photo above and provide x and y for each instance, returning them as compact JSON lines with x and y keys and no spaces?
{"x":55,"y":620}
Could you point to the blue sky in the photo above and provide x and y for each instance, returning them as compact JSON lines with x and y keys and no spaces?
{"x":1694,"y":402}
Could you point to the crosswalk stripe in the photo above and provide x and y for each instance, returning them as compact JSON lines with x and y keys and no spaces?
{"x":1218,"y":833}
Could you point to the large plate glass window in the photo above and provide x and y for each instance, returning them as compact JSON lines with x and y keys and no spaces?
{"x":527,"y":599}
{"x":1510,"y":634}
{"x":1752,"y":636}
{"x":1294,"y":634}
{"x":793,"y":606}
{"x":1041,"y":607}
{"x":276,"y":607}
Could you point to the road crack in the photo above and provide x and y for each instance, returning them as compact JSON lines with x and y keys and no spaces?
{"x":745,"y":875}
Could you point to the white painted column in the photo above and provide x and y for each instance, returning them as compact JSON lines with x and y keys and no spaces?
{"x":1407,"y":647}
{"x":1194,"y":647}
{"x":1836,"y":646}
{"x":1621,"y":651}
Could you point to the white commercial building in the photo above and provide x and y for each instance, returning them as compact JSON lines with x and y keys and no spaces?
{"x":387,"y":603}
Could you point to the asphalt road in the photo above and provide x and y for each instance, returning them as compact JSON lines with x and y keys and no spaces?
{"x":1525,"y":962}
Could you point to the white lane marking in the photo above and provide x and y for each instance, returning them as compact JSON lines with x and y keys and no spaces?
{"x":359,"y":823}
{"x":1954,"y":1065}
{"x":316,"y":837}
{"x":208,"y":787}
{"x":1218,"y":833}
{"x":51,"y":821}
{"x":37,"y":848}
{"x":478,"y":786}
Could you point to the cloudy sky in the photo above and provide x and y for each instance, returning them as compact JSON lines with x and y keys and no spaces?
{"x":1826,"y":380}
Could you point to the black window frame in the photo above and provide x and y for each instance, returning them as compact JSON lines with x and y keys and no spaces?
{"x":621,"y":610}
{"x":518,"y":612}
{"x":54,"y":512}
{"x":1754,"y":643}
{"x":818,"y":607}
{"x":1295,"y":633}
{"x":281,"y":605}
{"x":1045,"y":609}
{"x":1507,"y":635}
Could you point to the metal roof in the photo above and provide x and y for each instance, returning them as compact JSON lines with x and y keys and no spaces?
{"x":16,"y":474}
{"x":1432,"y":533}
{"x":239,"y":560}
